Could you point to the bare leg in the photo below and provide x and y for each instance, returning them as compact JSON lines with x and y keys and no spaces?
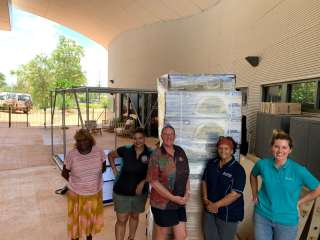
{"x":180,"y":231}
{"x":120,"y":229}
{"x":162,"y":233}
{"x":133,"y":224}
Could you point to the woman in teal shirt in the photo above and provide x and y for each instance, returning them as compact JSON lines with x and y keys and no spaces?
{"x":276,"y":211}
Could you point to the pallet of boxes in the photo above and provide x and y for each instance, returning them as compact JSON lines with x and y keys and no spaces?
{"x":200,"y":107}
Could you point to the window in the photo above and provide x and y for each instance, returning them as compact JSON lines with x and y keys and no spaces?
{"x":273,"y":93}
{"x":304,"y":93}
{"x":244,"y":91}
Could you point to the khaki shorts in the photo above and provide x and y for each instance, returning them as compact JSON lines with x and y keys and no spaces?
{"x":125,"y":204}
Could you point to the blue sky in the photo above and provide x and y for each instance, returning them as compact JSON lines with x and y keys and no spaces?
{"x":32,"y":35}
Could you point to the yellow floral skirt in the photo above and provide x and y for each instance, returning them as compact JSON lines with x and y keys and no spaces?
{"x":85,"y":214}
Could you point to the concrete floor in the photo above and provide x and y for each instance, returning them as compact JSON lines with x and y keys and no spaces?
{"x":29,"y":207}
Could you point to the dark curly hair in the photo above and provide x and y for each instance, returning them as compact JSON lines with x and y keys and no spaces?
{"x":84,"y":133}
{"x":139,"y":130}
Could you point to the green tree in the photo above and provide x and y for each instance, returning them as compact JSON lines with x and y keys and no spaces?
{"x":65,"y":63}
{"x":21,"y":74}
{"x":40,"y":80}
{"x":303,"y":93}
{"x":3,"y":83}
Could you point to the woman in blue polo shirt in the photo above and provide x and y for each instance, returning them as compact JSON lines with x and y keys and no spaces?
{"x":130,"y":191}
{"x":223,"y":182}
{"x":276,"y":210}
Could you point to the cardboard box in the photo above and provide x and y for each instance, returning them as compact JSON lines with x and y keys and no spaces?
{"x":245,"y":228}
{"x":312,"y":228}
{"x":203,"y":104}
{"x":263,"y":107}
{"x":203,"y":130}
{"x":194,"y":82}
{"x":267,"y":107}
{"x":305,"y":210}
{"x":285,"y":108}
{"x":195,"y":210}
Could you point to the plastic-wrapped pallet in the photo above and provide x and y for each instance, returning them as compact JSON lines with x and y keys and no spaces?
{"x":198,"y":82}
{"x":203,"y":104}
{"x":203,"y":130}
{"x":194,"y":209}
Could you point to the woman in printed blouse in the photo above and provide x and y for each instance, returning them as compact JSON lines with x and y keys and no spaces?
{"x":83,"y":168}
{"x":168,"y":173}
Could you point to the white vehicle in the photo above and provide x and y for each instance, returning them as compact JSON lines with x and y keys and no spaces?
{"x":18,"y":101}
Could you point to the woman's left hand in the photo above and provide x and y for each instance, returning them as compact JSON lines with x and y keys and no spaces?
{"x":211,"y":207}
{"x":139,"y":188}
{"x":186,"y":198}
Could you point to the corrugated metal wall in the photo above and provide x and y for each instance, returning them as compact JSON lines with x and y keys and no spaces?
{"x":285,"y":34}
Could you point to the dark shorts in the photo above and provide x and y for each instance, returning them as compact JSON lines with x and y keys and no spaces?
{"x":169,"y":218}
{"x":125,"y":204}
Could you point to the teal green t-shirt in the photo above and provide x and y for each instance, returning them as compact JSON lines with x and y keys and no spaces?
{"x":280,"y":190}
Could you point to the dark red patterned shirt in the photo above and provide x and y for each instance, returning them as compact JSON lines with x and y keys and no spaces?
{"x":172,"y":172}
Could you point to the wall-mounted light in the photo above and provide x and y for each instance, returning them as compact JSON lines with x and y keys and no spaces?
{"x":111,"y":81}
{"x":253,"y":60}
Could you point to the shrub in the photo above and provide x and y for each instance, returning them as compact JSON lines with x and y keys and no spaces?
{"x":104,"y":102}
{"x":69,"y":103}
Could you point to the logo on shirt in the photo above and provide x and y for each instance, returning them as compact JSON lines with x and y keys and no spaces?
{"x":227,"y":174}
{"x":288,"y":178}
{"x":144,"y":159}
{"x":180,"y":159}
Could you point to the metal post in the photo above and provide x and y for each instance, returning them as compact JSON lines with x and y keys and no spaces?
{"x":79,"y":112}
{"x":64,"y":125}
{"x":45,"y":118}
{"x":51,"y":124}
{"x":27,"y":116}
{"x":87,"y":107}
{"x":142,"y":113}
{"x":115,"y":115}
{"x":148,"y":121}
{"x":134,"y":108}
{"x":151,"y":110}
{"x":9,"y":117}
{"x":128,"y":105}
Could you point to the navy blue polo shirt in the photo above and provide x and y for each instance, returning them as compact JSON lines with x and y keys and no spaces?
{"x":132,"y":170}
{"x":220,"y":182}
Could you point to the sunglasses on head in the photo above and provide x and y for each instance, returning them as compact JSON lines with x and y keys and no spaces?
{"x":222,"y":137}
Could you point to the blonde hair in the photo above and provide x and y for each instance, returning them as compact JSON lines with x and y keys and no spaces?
{"x":279,"y":134}
{"x":84,"y":133}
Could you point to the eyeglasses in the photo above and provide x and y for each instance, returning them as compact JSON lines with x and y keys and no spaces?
{"x":222,"y":137}
{"x":168,"y":135}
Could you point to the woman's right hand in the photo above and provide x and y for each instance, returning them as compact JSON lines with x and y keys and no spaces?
{"x":179,"y":200}
{"x":255,"y":200}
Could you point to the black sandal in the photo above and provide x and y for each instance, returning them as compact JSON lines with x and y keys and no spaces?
{"x":63,"y":190}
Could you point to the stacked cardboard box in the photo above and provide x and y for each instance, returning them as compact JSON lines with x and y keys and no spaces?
{"x":200,"y":107}
{"x":281,"y":108}
{"x":195,"y":82}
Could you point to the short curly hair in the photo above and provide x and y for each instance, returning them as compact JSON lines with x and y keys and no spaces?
{"x":84,"y":133}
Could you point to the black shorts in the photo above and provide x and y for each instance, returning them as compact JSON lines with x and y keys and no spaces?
{"x":169,"y":218}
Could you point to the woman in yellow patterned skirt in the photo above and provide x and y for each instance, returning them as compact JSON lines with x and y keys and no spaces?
{"x":83,"y":168}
